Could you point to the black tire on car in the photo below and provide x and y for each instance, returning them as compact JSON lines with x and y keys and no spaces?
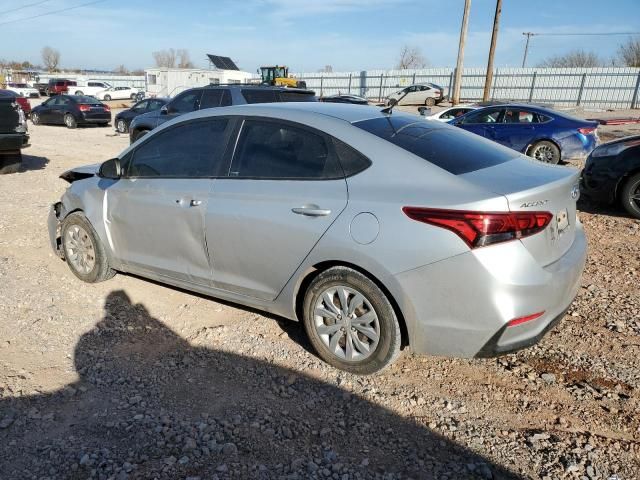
{"x":121,"y":126}
{"x":79,"y":92}
{"x":35,"y":118}
{"x":10,"y":162}
{"x":133,"y":97}
{"x":70,"y":121}
{"x":83,"y":250}
{"x":107,"y":98}
{"x":140,"y":134}
{"x":630,"y":195}
{"x":366,"y":318}
{"x":430,"y":101}
{"x":545,"y":151}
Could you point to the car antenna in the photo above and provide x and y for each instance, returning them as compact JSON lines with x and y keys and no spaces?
{"x":392,"y":103}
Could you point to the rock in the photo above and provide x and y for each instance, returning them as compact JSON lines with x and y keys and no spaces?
{"x":548,"y":377}
{"x":229,"y":449}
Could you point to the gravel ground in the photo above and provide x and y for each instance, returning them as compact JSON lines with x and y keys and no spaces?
{"x":129,"y":379}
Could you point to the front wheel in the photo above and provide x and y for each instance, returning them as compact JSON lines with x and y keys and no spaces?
{"x":70,"y":121}
{"x":83,"y":251}
{"x":430,"y":102}
{"x":121,"y":126}
{"x":350,"y":322}
{"x":545,"y":151}
{"x":630,"y":195}
{"x":79,"y":92}
{"x":107,"y":97}
{"x":35,"y":118}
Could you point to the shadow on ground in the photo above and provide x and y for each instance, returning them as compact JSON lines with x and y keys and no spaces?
{"x":32,"y":162}
{"x":612,"y":210}
{"x":150,"y":405}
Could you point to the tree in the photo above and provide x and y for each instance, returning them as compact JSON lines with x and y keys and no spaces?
{"x":121,"y":70}
{"x":184,"y":60}
{"x":410,"y":57}
{"x":573,"y":59}
{"x":50,"y":58}
{"x":629,"y":53}
{"x":165,"y":58}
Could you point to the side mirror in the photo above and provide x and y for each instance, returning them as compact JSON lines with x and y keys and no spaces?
{"x":164,"y":110}
{"x":110,"y":169}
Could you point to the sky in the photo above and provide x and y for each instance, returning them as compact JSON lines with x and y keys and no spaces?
{"x":349,"y":35}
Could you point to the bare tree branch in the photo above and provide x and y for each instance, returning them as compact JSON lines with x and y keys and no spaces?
{"x":184,"y":60}
{"x":165,"y":58}
{"x":629,"y":53}
{"x":574,"y":59}
{"x":50,"y":58}
{"x":411,"y":57}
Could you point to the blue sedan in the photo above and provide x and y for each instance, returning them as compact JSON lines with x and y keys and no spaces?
{"x":546,"y":135}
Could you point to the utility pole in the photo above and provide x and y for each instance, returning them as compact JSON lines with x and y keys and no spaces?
{"x":492,"y":50}
{"x":526,"y":47}
{"x":455,"y":99}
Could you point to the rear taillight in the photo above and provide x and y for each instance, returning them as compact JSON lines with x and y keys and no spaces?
{"x":84,"y":108}
{"x":107,"y":108}
{"x":587,"y":130}
{"x":479,"y":229}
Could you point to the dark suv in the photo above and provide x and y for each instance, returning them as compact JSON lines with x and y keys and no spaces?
{"x":13,"y":132}
{"x":215,"y":96}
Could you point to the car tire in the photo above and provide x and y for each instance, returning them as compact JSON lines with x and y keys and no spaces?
{"x":83,"y":250}
{"x":630,"y":195}
{"x":139,"y":135}
{"x":107,"y":98}
{"x":133,"y":97}
{"x":374,"y":344}
{"x":35,"y":118}
{"x":430,"y":102}
{"x":10,"y":162}
{"x":70,"y":121}
{"x":545,"y":151}
{"x":79,"y":92}
{"x":121,"y":126}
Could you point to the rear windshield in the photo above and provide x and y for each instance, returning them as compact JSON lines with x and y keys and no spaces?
{"x":84,"y":99}
{"x":449,"y":148}
{"x":258,"y":95}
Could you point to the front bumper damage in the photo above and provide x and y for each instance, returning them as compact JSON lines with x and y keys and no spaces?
{"x":53,"y":224}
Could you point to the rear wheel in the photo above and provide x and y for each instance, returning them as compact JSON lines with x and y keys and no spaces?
{"x":545,"y":151}
{"x":133,"y":96}
{"x":107,"y":97}
{"x":70,"y":121}
{"x":83,"y":251}
{"x":630,"y":195}
{"x":350,"y":322}
{"x":430,"y":102}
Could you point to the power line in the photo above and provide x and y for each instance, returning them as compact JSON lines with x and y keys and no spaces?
{"x":52,"y":12}
{"x":580,"y":34}
{"x":24,"y":6}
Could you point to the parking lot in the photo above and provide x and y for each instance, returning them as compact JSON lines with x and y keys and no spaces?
{"x":132,"y":378}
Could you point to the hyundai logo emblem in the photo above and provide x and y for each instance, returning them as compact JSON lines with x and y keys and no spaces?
{"x":575,"y":192}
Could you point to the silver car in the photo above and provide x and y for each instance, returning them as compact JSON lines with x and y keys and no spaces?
{"x":377,"y":230}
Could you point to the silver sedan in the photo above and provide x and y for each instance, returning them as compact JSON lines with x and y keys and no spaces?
{"x":375,"y":229}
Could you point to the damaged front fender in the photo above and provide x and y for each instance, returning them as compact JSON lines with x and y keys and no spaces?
{"x":54,"y":221}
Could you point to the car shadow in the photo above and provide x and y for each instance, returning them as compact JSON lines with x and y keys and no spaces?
{"x":149,"y":404}
{"x":32,"y":162}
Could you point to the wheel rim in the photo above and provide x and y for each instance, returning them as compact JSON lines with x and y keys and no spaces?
{"x":121,"y":126}
{"x":68,"y":120}
{"x":544,"y":153}
{"x":79,"y":249}
{"x":346,"y":323}
{"x":634,"y":197}
{"x":34,"y":118}
{"x":107,"y":98}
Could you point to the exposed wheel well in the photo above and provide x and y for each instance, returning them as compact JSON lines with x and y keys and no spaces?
{"x":544,"y":140}
{"x":321,"y":267}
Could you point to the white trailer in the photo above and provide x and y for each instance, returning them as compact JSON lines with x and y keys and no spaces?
{"x":168,"y":82}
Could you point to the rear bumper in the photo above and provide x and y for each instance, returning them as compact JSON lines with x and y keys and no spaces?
{"x":599,"y":181}
{"x":96,"y":119}
{"x":461,"y":306}
{"x":13,"y":141}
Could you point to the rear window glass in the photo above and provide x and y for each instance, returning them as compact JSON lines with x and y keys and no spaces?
{"x":259,"y":96}
{"x":297,"y":97}
{"x":449,"y":148}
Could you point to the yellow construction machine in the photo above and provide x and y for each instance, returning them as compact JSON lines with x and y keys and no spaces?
{"x":278,"y":75}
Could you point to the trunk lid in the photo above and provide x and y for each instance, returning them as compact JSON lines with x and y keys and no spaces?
{"x":528,"y":186}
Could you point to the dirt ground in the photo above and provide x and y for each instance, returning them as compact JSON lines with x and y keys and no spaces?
{"x":132,"y":379}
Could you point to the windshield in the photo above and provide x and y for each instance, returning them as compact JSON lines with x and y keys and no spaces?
{"x":18,"y":85}
{"x":449,"y":148}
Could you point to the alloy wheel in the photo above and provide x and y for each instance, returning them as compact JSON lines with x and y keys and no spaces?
{"x":346,"y":323}
{"x":79,"y":249}
{"x":122,"y":128}
{"x":543,"y":153}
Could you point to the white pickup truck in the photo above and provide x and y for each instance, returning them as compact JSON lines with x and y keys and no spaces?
{"x":89,"y":87}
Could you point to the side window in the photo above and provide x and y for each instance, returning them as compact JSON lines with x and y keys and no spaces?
{"x":155,"y":105}
{"x":490,"y":116}
{"x":352,"y":161}
{"x":191,"y":150}
{"x":186,"y":102}
{"x":226,"y":99}
{"x":210,"y":98}
{"x":519,"y":116}
{"x":63,"y":101}
{"x":259,"y":95}
{"x":142,"y":106}
{"x":277,"y":150}
{"x":540,"y":118}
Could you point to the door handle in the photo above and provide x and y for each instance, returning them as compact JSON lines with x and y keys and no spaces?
{"x":311,"y":211}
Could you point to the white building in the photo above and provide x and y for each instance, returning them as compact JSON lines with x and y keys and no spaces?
{"x":168,"y":82}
